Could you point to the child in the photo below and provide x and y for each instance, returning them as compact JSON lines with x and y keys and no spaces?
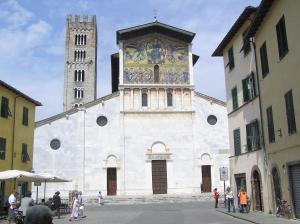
{"x":216,"y":196}
{"x":100,"y":198}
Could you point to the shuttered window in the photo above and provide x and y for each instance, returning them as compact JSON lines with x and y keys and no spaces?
{"x":2,"y":148}
{"x":249,"y":91}
{"x":234,"y":98}
{"x":5,"y":112}
{"x":270,"y":125}
{"x":237,"y":142}
{"x":264,"y":60}
{"x":246,"y":43}
{"x":290,"y":114}
{"x":281,"y":38}
{"x":24,"y":155}
{"x":253,"y":136}
{"x":230,"y":59}
{"x":25,"y":116}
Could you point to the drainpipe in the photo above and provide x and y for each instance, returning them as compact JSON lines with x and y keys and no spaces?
{"x":13,"y":134}
{"x":261,"y":120}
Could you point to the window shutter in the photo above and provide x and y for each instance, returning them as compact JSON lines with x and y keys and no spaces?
{"x":257,"y":134}
{"x":2,"y":148}
{"x":290,"y":112}
{"x":245,"y":83}
{"x":237,"y":142}
{"x":252,"y":83}
{"x":25,"y":116}
{"x":270,"y":125}
{"x":234,"y":98}
{"x":249,"y":137}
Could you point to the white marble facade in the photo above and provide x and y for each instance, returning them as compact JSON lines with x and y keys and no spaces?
{"x":133,"y":137}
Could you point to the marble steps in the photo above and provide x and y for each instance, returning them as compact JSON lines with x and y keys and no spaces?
{"x":141,"y":199}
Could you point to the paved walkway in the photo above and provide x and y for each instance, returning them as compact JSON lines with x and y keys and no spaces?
{"x":259,"y":217}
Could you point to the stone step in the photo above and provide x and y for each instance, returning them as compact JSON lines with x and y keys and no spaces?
{"x":141,"y":199}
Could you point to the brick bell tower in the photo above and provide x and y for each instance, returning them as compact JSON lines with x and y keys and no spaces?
{"x":80,"y":73}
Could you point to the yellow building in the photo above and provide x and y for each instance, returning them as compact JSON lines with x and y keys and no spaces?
{"x":275,"y":31}
{"x":17,"y":113}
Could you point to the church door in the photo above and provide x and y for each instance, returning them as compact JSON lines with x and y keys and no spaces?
{"x":111,"y":181}
{"x":159,"y":177}
{"x":206,"y":179}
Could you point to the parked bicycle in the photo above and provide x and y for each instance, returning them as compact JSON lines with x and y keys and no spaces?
{"x":283,"y":209}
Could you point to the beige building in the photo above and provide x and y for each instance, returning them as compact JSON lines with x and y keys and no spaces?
{"x":247,"y":154}
{"x":276,"y":33}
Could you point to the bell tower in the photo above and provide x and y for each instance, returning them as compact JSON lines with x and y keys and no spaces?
{"x":80,"y":73}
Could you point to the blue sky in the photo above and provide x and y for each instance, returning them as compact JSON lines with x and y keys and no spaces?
{"x":32,"y":36}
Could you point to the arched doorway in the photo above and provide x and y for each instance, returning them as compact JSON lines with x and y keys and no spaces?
{"x":257,"y":189}
{"x":276,"y":185}
{"x":111,"y":164}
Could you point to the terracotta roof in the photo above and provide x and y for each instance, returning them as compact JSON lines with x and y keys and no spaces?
{"x":153,"y":27}
{"x":234,"y":29}
{"x":262,"y":10}
{"x":9,"y":87}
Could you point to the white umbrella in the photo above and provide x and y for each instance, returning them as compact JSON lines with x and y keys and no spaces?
{"x":47,"y":177}
{"x":19,"y":175}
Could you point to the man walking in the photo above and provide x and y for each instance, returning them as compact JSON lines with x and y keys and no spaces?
{"x":12,"y":205}
{"x":57,"y":203}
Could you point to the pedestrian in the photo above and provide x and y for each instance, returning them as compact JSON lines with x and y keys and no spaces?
{"x":12,"y":201}
{"x":216,"y":197}
{"x":81,"y":206}
{"x":57,"y":203}
{"x":243,"y":199}
{"x":230,"y":199}
{"x":75,"y":205}
{"x":26,"y":202}
{"x":38,"y":214}
{"x":100,"y":198}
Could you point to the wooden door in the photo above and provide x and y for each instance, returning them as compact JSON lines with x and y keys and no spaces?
{"x":206,"y":179}
{"x":159,"y":177}
{"x":111,"y":181}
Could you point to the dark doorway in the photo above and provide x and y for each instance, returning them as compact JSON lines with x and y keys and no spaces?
{"x":276,"y":184}
{"x":206,"y":179}
{"x":111,"y":181}
{"x":256,"y":185}
{"x":159,"y":177}
{"x":240,"y":180}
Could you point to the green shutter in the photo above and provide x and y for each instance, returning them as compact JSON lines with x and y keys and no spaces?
{"x":249,"y":137}
{"x":234,"y":98}
{"x":25,"y":116}
{"x":4,"y":107}
{"x":245,"y":83}
{"x":257,"y":133}
{"x":237,"y":142}
{"x":2,"y":148}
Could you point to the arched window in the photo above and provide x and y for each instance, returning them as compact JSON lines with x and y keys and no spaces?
{"x":144,"y":100}
{"x":81,"y":91}
{"x":169,"y":99}
{"x":76,"y":105}
{"x":156,"y":74}
{"x":75,"y":39}
{"x":83,"y":54}
{"x":75,"y":55}
{"x":75,"y":93}
{"x":82,"y":76}
{"x":81,"y":41}
{"x":75,"y":76}
{"x":84,"y":39}
{"x":276,"y":183}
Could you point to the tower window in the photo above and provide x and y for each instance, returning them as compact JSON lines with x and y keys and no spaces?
{"x":156,"y":74}
{"x":144,"y":100}
{"x":170,"y":99}
{"x":78,"y":93}
{"x":84,"y":39}
{"x":79,"y":75}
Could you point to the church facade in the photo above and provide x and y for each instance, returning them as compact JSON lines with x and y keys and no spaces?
{"x":154,"y":134}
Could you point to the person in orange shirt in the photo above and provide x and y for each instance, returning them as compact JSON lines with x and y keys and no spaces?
{"x":243,"y":198}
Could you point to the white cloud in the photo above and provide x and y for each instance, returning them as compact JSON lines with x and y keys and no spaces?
{"x":22,"y":41}
{"x":14,"y":14}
